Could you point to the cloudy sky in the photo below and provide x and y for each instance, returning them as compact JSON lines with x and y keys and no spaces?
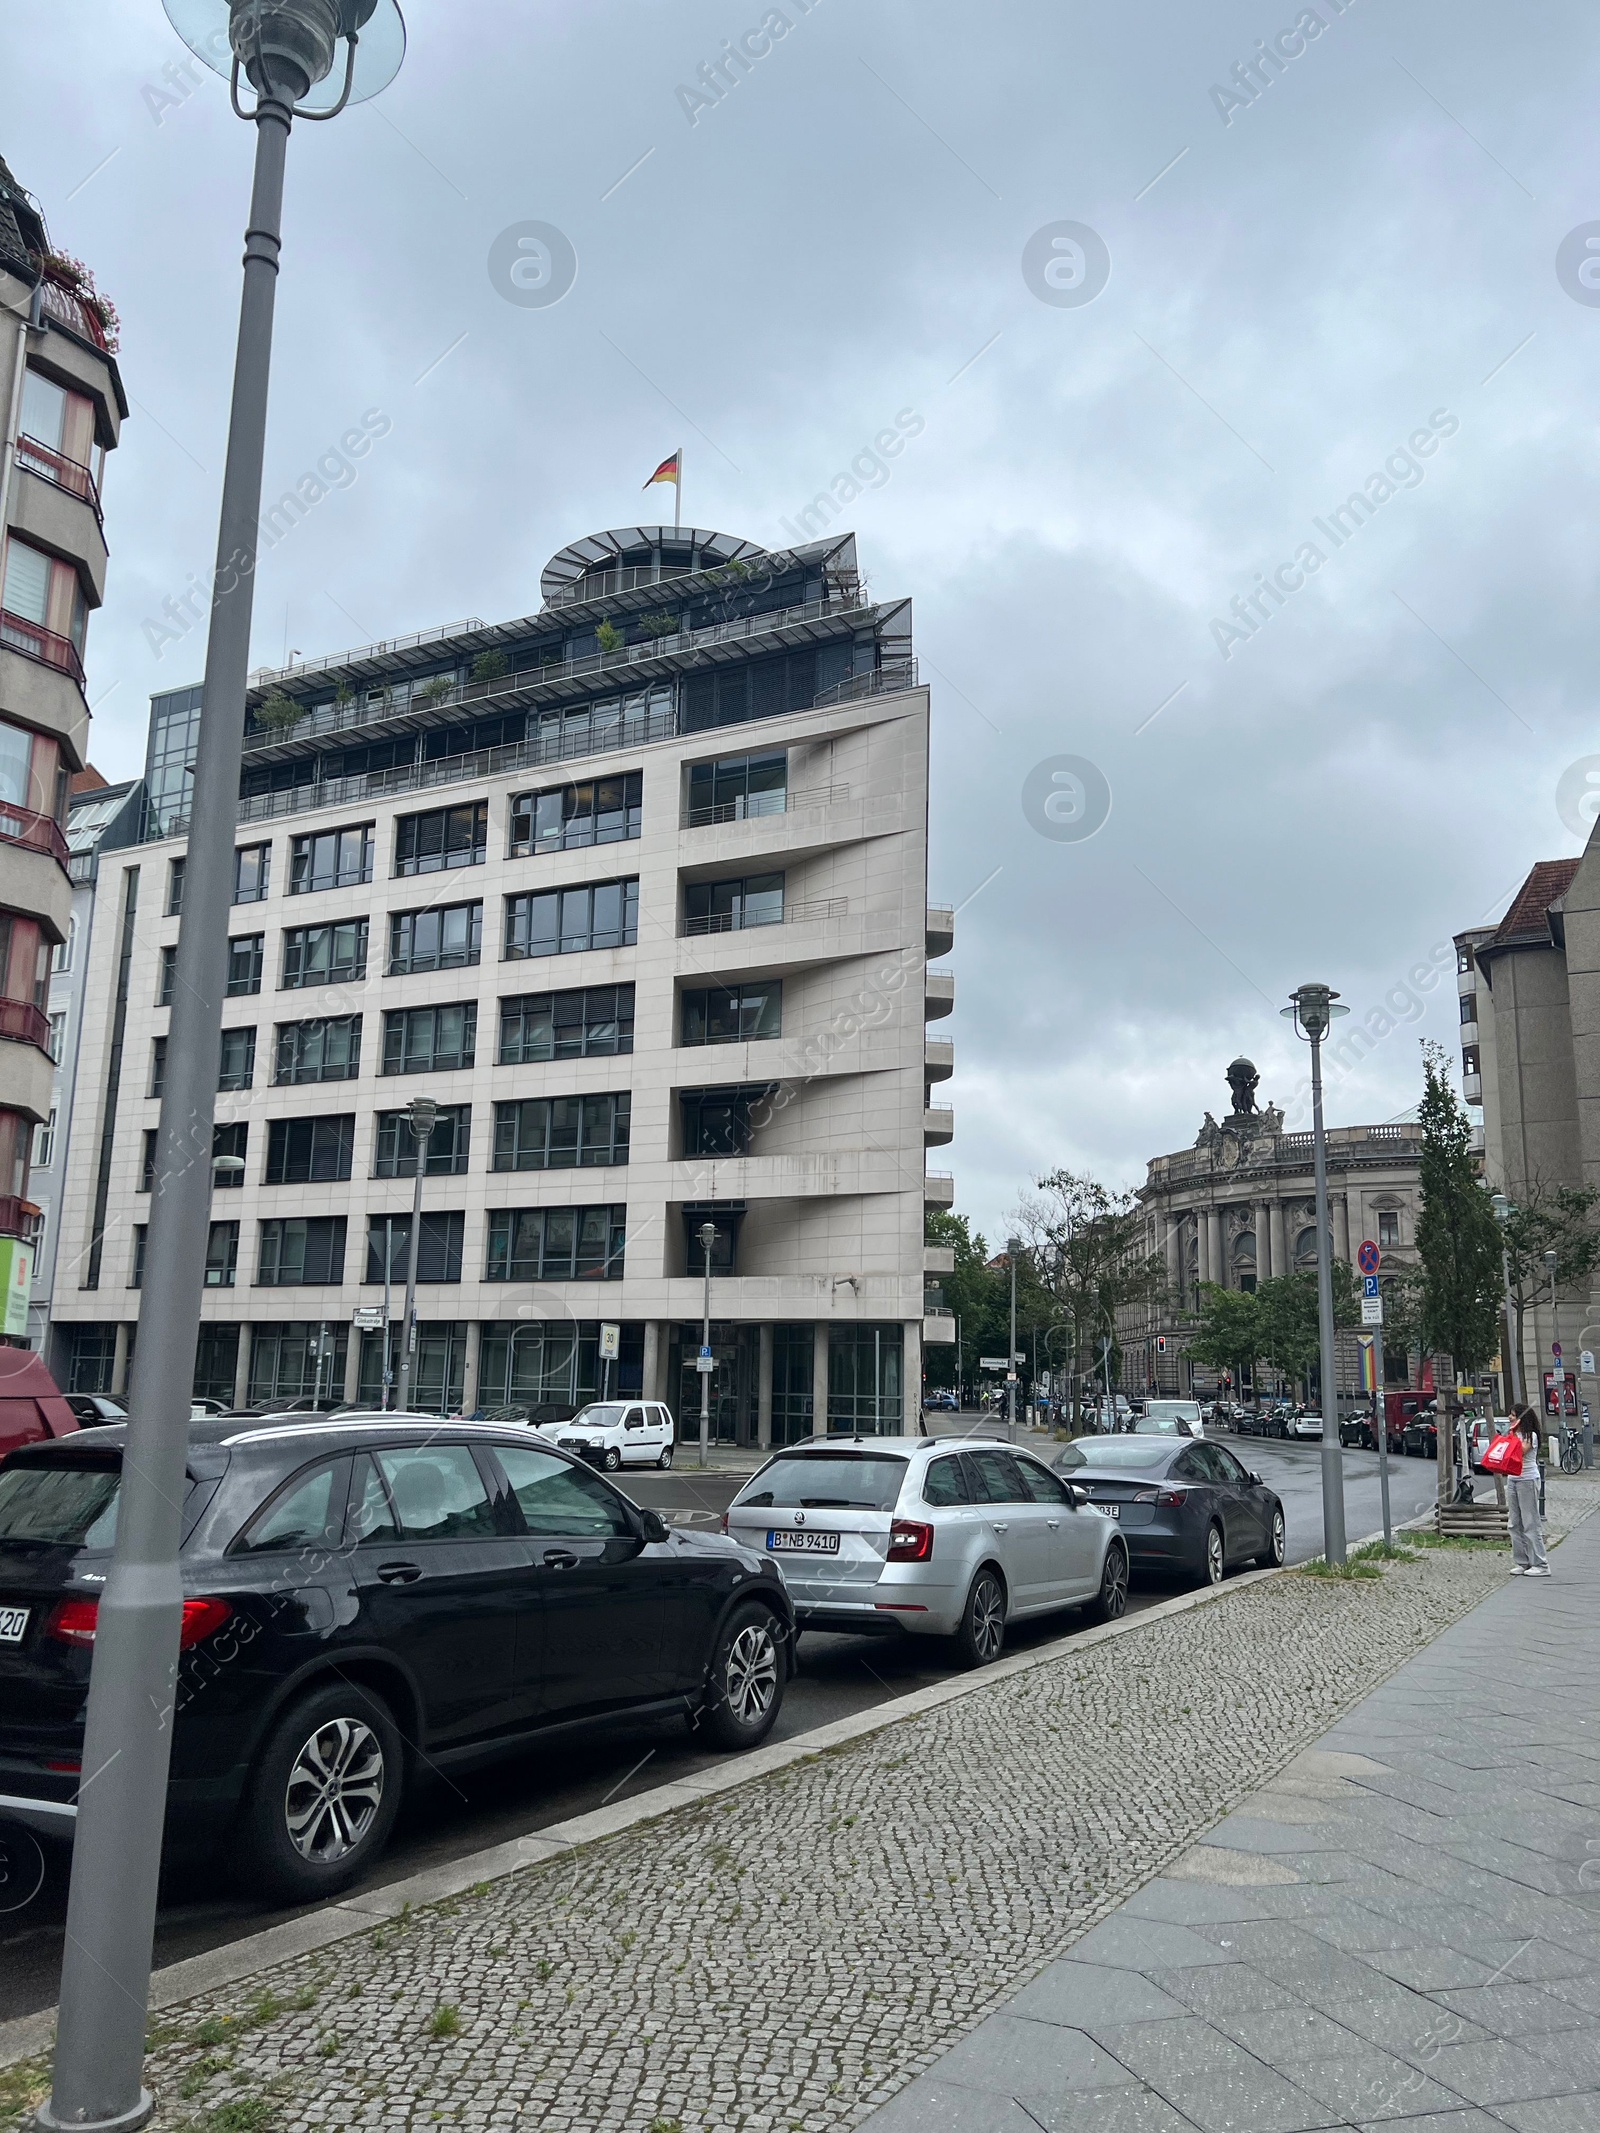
{"x":1357,"y":246}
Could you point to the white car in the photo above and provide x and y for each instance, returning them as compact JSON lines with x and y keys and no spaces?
{"x":1168,"y":1418}
{"x":613,"y":1433}
{"x":1305,"y":1426}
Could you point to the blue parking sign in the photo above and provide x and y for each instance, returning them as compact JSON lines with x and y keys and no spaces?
{"x":1369,"y":1285}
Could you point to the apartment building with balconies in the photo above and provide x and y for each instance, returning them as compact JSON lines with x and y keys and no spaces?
{"x":635,"y":889}
{"x":61,"y":408}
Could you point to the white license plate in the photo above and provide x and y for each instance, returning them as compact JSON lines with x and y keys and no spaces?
{"x":802,"y":1543}
{"x":1109,"y":1510}
{"x":13,"y":1624}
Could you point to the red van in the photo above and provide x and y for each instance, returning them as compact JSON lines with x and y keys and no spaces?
{"x":31,"y":1406}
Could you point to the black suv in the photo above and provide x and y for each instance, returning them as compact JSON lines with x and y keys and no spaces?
{"x":362,"y":1597}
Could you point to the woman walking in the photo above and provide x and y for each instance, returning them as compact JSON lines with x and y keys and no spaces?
{"x":1528,"y":1558}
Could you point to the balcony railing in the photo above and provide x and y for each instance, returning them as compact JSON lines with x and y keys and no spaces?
{"x":73,"y":313}
{"x":24,"y":1023}
{"x":18,"y":634}
{"x":57,"y":468}
{"x":39,"y":833}
{"x":887,"y":680}
{"x":750,"y":806}
{"x":385,"y":648}
{"x":17,"y":1216}
{"x":361,"y":711}
{"x":791,"y":914}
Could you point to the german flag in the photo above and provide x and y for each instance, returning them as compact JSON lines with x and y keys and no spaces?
{"x":667,"y":471}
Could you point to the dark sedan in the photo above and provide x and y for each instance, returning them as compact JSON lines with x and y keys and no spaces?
{"x":367,"y":1600}
{"x":1183,"y":1507}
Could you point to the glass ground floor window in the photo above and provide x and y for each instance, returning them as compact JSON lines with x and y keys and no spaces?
{"x":441,"y":1367}
{"x":864,"y":1379}
{"x":298,"y":1359}
{"x":216,"y":1362}
{"x":553,"y":1366}
{"x":91,"y":1358}
{"x":793,"y":1353}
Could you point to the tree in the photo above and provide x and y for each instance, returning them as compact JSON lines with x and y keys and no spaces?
{"x":1228,"y":1332}
{"x":1402,"y":1311}
{"x":1458,"y":1239}
{"x":974,"y":1292}
{"x":1084,"y":1243}
{"x":1550,"y":1218}
{"x":1291,"y":1339}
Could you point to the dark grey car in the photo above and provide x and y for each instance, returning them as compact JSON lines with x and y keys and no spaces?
{"x":1185,"y":1507}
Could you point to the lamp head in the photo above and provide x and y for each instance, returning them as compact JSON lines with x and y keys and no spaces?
{"x":1551,"y":1261}
{"x":226,"y":1166}
{"x":707,"y":1234}
{"x":1503,"y":1209}
{"x":290,"y":48}
{"x":1311,"y":1008}
{"x":422,"y":1111}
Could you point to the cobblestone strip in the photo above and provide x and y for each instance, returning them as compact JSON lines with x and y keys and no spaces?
{"x":788,"y":1956}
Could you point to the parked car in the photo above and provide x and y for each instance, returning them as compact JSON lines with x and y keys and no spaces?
{"x":367,"y":1599}
{"x":616,"y":1433}
{"x":942,"y":1402}
{"x":1305,"y":1423}
{"x":31,"y":1408}
{"x":1420,"y":1439}
{"x":928,"y":1537}
{"x":1164,"y":1417}
{"x":1481,"y":1433}
{"x":90,"y":1409}
{"x":1193,"y":1508}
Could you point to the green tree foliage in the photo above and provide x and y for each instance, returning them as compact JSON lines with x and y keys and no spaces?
{"x":1458,"y":1239}
{"x":1550,"y":1218}
{"x":1085,"y":1243}
{"x":1227,"y":1335}
{"x":1291,"y":1339}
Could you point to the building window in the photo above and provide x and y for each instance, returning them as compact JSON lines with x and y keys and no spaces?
{"x":725,"y":1220}
{"x":562,"y":1132}
{"x":1469,"y":1007}
{"x":590,"y":1022}
{"x":733,"y":1014}
{"x":449,"y":938}
{"x":326,"y":1050}
{"x":447,"y":1144}
{"x":602,"y":914}
{"x":158,"y":1066}
{"x":556,"y":1243}
{"x":309,"y":1151}
{"x":44,"y":1142}
{"x":175,"y":873}
{"x":1469,"y":1059}
{"x":297,"y":1361}
{"x":62,"y":959}
{"x":753,"y":688}
{"x":445,"y":837}
{"x":718,"y":1121}
{"x":234,"y":1142}
{"x":567,"y":818}
{"x":252,"y":864}
{"x":1388,"y":1225}
{"x":40,"y":590}
{"x":237,"y":1069}
{"x":439,"y":1246}
{"x":245,"y":958}
{"x":730,"y":906}
{"x":864,"y":1379}
{"x":141,"y":1231}
{"x":58,"y":1035}
{"x":330,"y":859}
{"x":324,"y":955}
{"x":737,"y":786}
{"x":93,"y":1358}
{"x":301,"y":1252}
{"x":1465,"y":960}
{"x":216,"y":1359}
{"x":222,"y":1259}
{"x":164,"y":983}
{"x":419,"y":1040}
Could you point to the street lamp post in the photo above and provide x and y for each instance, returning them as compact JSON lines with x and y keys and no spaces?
{"x":1312,"y":1009}
{"x":1504,"y":1209}
{"x":421,"y":1112}
{"x":1013,"y":1251}
{"x":287,"y":50}
{"x":707,"y":1235}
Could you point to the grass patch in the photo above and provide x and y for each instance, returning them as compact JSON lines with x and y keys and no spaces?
{"x":1384,"y":1552}
{"x":445,"y":2021}
{"x":1346,"y":1573}
{"x":23,"y":2086}
{"x":1425,"y":1539}
{"x":245,"y":2114}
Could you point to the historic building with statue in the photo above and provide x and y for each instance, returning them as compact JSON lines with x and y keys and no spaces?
{"x":1239,"y":1207}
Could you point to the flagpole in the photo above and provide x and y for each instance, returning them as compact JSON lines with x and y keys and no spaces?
{"x":677,"y":495}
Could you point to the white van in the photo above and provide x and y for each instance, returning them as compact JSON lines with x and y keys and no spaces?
{"x":613,"y":1433}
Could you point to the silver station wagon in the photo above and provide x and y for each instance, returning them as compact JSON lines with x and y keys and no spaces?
{"x":928,"y":1536}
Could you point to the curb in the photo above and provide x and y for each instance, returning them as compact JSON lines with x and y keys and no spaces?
{"x":28,"y":2035}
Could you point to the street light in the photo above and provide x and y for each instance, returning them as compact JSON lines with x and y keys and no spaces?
{"x":1312,"y":1009}
{"x":421,"y":1113}
{"x":1504,"y":1209}
{"x":1013,"y":1253}
{"x":287,"y":50}
{"x":707,"y":1234}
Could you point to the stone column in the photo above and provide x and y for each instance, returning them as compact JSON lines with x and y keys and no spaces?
{"x":1202,"y":1262}
{"x":119,"y":1360}
{"x":655,"y":1359}
{"x":241,"y":1368}
{"x":1175,"y":1257}
{"x":1341,"y":1227}
{"x":1280,"y":1248}
{"x":469,"y":1373}
{"x":1266,"y":1265}
{"x":1219,"y":1267}
{"x":352,"y":1367}
{"x":764,"y":1392}
{"x":911,"y":1376}
{"x":819,"y":1378}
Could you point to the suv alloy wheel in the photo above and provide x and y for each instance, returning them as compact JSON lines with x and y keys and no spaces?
{"x":744,"y":1686}
{"x":983,"y":1622}
{"x":324,"y":1794}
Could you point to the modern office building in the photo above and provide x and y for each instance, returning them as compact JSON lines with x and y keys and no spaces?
{"x":61,"y":406}
{"x":1239,"y":1208}
{"x":635,"y":889}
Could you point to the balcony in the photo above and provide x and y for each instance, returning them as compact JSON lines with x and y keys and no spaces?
{"x":23,"y":1023}
{"x":61,"y":472}
{"x":938,"y":1189}
{"x":938,"y":1259}
{"x":888,"y":680}
{"x":941,"y":929}
{"x":819,"y":907}
{"x":35,"y":832}
{"x":1469,"y":1034}
{"x":938,"y":1058}
{"x":939,"y":996}
{"x":17,"y":1216}
{"x":1472,"y":1088}
{"x":35,"y":642}
{"x":938,"y":1327}
{"x":756,"y":804}
{"x":938,"y":1125}
{"x":69,"y":310}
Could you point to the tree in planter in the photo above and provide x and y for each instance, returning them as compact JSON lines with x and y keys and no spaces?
{"x":490,"y":666}
{"x":435,"y":689}
{"x":279,"y":713}
{"x":609,"y":637}
{"x":1085,"y":1245}
{"x":1550,"y":1218}
{"x":1458,"y":1239}
{"x":343,"y":695}
{"x":659,"y":625}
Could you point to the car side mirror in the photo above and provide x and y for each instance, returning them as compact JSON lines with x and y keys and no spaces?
{"x":653,"y":1526}
{"x":1079,"y":1495}
{"x":1256,"y":1482}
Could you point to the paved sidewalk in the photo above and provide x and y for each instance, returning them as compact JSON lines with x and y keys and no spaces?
{"x":1399,"y":1931}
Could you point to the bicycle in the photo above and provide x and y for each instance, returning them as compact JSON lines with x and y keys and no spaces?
{"x":1571,"y":1451}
